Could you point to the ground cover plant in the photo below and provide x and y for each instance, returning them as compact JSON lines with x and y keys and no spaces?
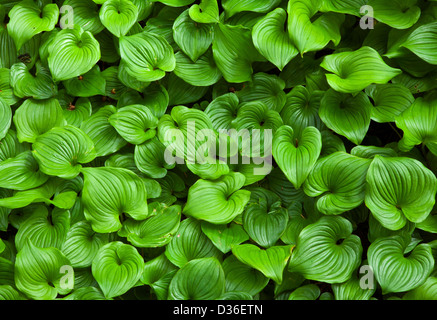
{"x":230,"y":150}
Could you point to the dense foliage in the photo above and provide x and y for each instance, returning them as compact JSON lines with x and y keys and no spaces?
{"x":121,"y":176}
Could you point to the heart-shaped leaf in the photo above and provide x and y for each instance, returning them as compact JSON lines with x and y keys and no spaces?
{"x":86,"y":15}
{"x":224,"y":236}
{"x":415,"y":267}
{"x":35,"y":117}
{"x":108,"y":193}
{"x":82,"y":244}
{"x":190,"y":243}
{"x":282,"y":50}
{"x":399,"y":14}
{"x":117,"y":267}
{"x":87,"y":85}
{"x":224,"y":196}
{"x":199,"y":279}
{"x":399,"y":189}
{"x":193,"y":38}
{"x":241,"y":277}
{"x":310,"y":32}
{"x":150,"y":159}
{"x":148,"y":56}
{"x":355,"y":70}
{"x":346,"y":114}
{"x":203,"y":72}
{"x":5,"y":116}
{"x":105,"y":137}
{"x":296,"y":157}
{"x":338,"y":181}
{"x":205,"y":12}
{"x":389,"y":100}
{"x":264,"y":222}
{"x":72,"y":53}
{"x":135,"y":123}
{"x":21,"y":172}
{"x":234,"y":52}
{"x":27,"y":20}
{"x":327,"y":251}
{"x":38,"y":272}
{"x":44,"y":229}
{"x":61,"y":151}
{"x":156,"y":231}
{"x":118,"y":16}
{"x":271,"y":261}
{"x":418,"y":124}
{"x":38,"y":86}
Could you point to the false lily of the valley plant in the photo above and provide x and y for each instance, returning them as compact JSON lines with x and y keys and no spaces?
{"x":234,"y":149}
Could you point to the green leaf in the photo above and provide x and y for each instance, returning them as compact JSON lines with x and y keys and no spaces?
{"x":27,"y":20}
{"x":6,"y":92}
{"x":35,"y":117}
{"x":296,"y":157}
{"x":82,"y":244}
{"x":150,"y":159}
{"x":234,"y":52}
{"x":148,"y":56}
{"x":301,"y":109}
{"x":156,"y":231}
{"x":86,"y":15}
{"x":426,"y":291}
{"x":135,"y":123}
{"x":327,"y":251}
{"x":193,"y":38}
{"x":389,"y":100}
{"x":203,"y":72}
{"x":117,"y":267}
{"x":21,"y":172}
{"x":355,"y":70}
{"x":233,"y":7}
{"x":105,"y":137}
{"x":225,"y":199}
{"x":38,"y":272}
{"x":388,"y":254}
{"x":265,"y":222}
{"x":205,"y":12}
{"x":61,"y":151}
{"x":421,"y":41}
{"x":265,"y":88}
{"x":338,"y":182}
{"x":306,"y":292}
{"x":271,"y":262}
{"x":72,"y":53}
{"x":190,"y":243}
{"x":44,"y":229}
{"x":110,"y":192}
{"x":37,"y":86}
{"x":118,"y":16}
{"x":242,"y":277}
{"x":75,"y":114}
{"x":6,"y":116}
{"x":353,"y":289}
{"x":346,"y":114}
{"x":281,"y":50}
{"x":199,"y":279}
{"x":224,"y":236}
{"x":418,"y":124}
{"x":399,"y":189}
{"x":399,"y":14}
{"x":310,"y":32}
{"x":89,"y":84}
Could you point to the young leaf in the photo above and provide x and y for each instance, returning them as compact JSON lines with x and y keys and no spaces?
{"x":399,"y":189}
{"x":117,"y":267}
{"x":327,"y":251}
{"x":355,"y":70}
{"x":296,"y":157}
